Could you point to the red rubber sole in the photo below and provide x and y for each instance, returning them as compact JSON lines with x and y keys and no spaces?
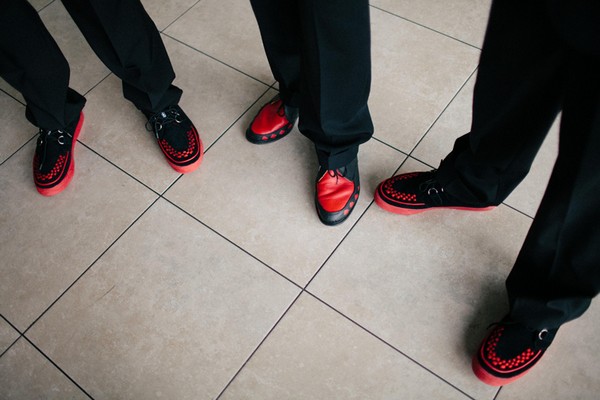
{"x":410,"y":211}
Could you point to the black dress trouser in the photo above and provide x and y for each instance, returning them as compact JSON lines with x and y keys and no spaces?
{"x":539,"y":58}
{"x":320,"y":53}
{"x":119,"y":31}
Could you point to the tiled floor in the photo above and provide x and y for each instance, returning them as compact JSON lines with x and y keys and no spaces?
{"x":139,"y":283}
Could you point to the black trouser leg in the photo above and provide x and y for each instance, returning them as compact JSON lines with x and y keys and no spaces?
{"x":279,"y":25}
{"x":332,"y":39}
{"x":125,"y":38}
{"x":32,"y":63}
{"x":517,"y":96}
{"x":557,"y":272}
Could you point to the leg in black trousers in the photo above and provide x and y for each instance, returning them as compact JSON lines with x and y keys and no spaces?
{"x":534,"y":63}
{"x":527,"y":74}
{"x":319,"y":52}
{"x":125,"y":38}
{"x":32,"y":63}
{"x":127,"y":41}
{"x":557,"y":272}
{"x":518,"y":94}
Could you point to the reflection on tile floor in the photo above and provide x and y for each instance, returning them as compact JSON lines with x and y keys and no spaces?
{"x":139,"y":283}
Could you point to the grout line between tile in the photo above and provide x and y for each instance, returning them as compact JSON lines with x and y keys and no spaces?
{"x":443,"y":111}
{"x":119,"y":168}
{"x":339,"y":244}
{"x":19,"y":149}
{"x":232,"y":242}
{"x":11,"y":96}
{"x":259,"y":345}
{"x":14,"y":341}
{"x":91,"y":265}
{"x":426,"y":27}
{"x":182,"y":14}
{"x":497,"y":393}
{"x":389,"y":344}
{"x":214,"y":58}
{"x":220,"y":136}
{"x":44,"y":7}
{"x":57,"y":367}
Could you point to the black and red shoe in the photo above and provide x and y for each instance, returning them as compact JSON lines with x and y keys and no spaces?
{"x":337,"y":193}
{"x":53,"y":163}
{"x":274,"y":121}
{"x":416,"y":192}
{"x":510,"y":351}
{"x":177,"y":138}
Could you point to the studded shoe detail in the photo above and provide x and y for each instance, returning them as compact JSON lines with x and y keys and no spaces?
{"x":509,"y":351}
{"x":415,"y":192}
{"x":177,"y":138}
{"x":53,"y":163}
{"x":274,"y":121}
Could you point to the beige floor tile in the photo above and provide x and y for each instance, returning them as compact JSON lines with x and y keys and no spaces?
{"x":453,"y":123}
{"x":464,"y":20}
{"x":416,"y":72}
{"x":16,"y":129}
{"x":48,"y":242}
{"x":7,"y":335}
{"x":171,"y":311}
{"x":569,"y":369}
{"x":428,"y":284}
{"x":456,"y":121}
{"x":214,"y":96}
{"x":261,"y":197}
{"x":226,"y":30}
{"x":164,"y":13}
{"x":26,"y":374}
{"x":315,"y":353}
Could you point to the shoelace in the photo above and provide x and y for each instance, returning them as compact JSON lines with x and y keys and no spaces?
{"x":538,"y":338}
{"x":336,"y":173}
{"x":59,"y":136}
{"x":158,"y":121}
{"x":433,"y":189}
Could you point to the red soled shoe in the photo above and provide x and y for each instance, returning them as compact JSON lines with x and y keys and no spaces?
{"x":510,"y":351}
{"x":53,"y":163}
{"x":416,"y":192}
{"x":177,"y":138}
{"x":337,"y":193}
{"x":274,"y":121}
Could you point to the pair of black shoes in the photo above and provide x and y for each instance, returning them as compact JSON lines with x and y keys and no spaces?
{"x":512,"y":348}
{"x":337,"y":190}
{"x":54,"y":166}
